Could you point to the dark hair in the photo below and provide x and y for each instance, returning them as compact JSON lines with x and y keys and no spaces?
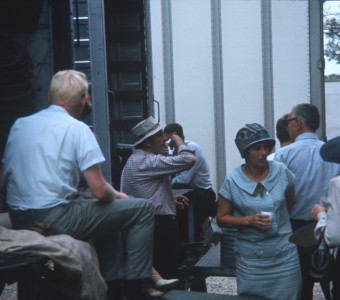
{"x":308,"y":114}
{"x":281,"y":129}
{"x":172,"y":127}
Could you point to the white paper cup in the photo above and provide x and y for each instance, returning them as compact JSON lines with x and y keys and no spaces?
{"x":267,"y":213}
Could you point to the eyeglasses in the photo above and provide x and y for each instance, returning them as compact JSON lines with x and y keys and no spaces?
{"x":291,"y":119}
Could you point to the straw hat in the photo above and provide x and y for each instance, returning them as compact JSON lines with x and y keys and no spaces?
{"x":145,"y":129}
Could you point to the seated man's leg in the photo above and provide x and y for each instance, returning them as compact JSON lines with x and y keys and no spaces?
{"x":94,"y":219}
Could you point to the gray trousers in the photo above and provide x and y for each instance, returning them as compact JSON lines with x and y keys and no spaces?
{"x":105,"y":222}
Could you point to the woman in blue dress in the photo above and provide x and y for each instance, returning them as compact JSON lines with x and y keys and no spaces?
{"x":255,"y":198}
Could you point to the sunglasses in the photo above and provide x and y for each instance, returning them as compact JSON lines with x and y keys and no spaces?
{"x":289,"y":120}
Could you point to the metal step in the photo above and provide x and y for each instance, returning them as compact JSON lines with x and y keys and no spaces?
{"x":186,"y":295}
{"x":209,"y":265}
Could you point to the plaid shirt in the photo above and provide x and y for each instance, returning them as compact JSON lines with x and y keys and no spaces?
{"x":146,"y":175}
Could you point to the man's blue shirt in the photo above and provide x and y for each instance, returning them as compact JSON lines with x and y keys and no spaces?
{"x":312,"y":173}
{"x":197,"y":177}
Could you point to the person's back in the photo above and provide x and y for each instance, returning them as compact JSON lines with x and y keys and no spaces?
{"x":43,"y":155}
{"x":312,"y":175}
{"x":147,"y":175}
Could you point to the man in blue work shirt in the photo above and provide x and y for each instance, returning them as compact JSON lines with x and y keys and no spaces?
{"x":312,"y":175}
{"x":197,"y":178}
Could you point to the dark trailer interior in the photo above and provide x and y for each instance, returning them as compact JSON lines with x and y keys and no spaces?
{"x":39,"y":38}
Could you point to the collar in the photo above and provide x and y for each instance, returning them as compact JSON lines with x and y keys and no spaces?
{"x":250,"y":186}
{"x":306,"y":135}
{"x":55,"y":107}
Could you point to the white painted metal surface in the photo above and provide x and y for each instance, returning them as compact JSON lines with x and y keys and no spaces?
{"x":290,"y":55}
{"x":242,"y":66}
{"x":332,"y":90}
{"x":242,"y":71}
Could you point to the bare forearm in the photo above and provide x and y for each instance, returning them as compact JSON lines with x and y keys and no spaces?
{"x":99,"y":187}
{"x":224,"y":215}
{"x":233,"y":222}
{"x":107,"y":194}
{"x":226,"y":219}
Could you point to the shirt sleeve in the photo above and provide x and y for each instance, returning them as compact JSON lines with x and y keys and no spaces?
{"x":160,"y":165}
{"x":185,"y":177}
{"x":332,"y":219}
{"x":322,"y":221}
{"x":88,"y":150}
{"x":225,"y":190}
{"x":290,"y":177}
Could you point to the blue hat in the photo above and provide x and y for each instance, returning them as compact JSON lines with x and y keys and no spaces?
{"x":251,"y":134}
{"x":330,"y":151}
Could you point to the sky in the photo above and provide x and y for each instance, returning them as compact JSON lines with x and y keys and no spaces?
{"x":331,"y":67}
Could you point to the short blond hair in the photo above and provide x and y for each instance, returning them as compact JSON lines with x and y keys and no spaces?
{"x":68,"y":86}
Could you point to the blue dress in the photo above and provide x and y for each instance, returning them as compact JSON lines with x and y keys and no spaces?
{"x":267,"y":264}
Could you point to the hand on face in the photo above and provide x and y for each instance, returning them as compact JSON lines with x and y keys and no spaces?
{"x":175,"y":140}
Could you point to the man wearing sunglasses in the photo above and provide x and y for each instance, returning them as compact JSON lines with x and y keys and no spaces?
{"x":312,"y":175}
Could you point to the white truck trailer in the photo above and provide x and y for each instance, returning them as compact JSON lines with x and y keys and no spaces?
{"x":213,"y":65}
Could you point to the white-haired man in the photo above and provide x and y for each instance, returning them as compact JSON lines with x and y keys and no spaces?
{"x":40,"y":171}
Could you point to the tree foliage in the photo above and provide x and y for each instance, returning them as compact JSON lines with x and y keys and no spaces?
{"x":332,"y":33}
{"x":332,"y":36}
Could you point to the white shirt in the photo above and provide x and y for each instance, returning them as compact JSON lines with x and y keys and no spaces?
{"x":331,"y":219}
{"x":43,"y":156}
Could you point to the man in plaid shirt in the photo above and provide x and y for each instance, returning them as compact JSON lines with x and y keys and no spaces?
{"x":147,"y":174}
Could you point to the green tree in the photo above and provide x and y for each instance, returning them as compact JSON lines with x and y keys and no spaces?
{"x":332,"y":33}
